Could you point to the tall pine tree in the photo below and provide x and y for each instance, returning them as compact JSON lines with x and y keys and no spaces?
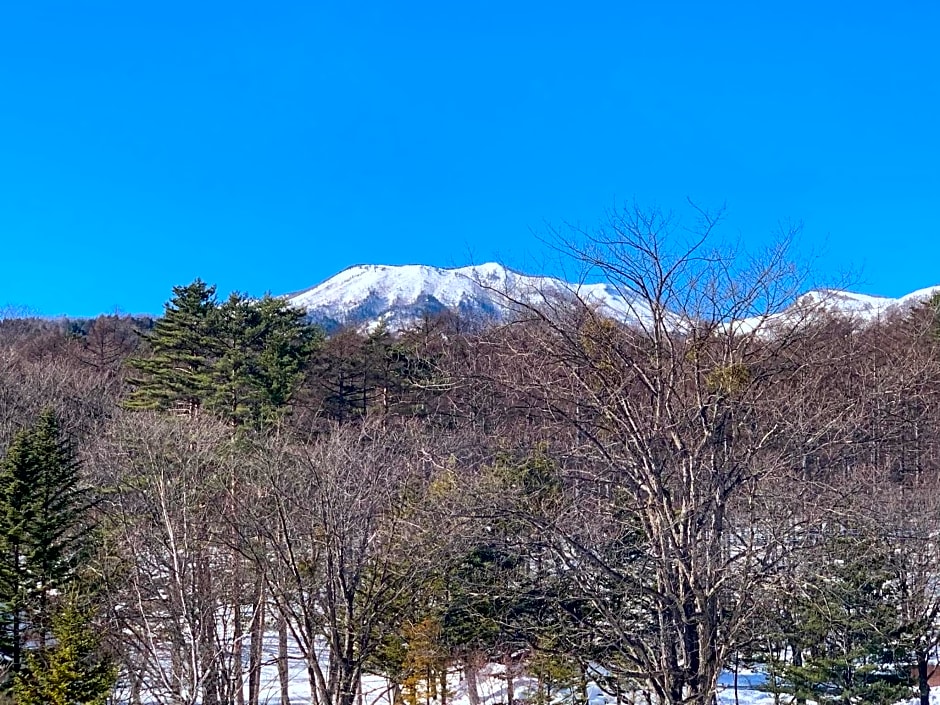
{"x":242,"y":360}
{"x":265,"y":345}
{"x":184,"y":344}
{"x":853,"y":643}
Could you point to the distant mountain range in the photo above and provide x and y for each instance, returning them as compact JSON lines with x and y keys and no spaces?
{"x":398,"y":296}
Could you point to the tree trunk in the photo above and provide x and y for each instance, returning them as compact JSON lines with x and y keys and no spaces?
{"x":283,"y":673}
{"x":470,"y":670}
{"x":797,"y":663}
{"x":347,"y":687}
{"x":317,"y":689}
{"x":510,"y":684}
{"x":923,"y":678}
{"x":134,"y":695}
{"x":238,"y":641}
{"x":17,"y":654}
{"x":737,"y":700}
{"x":584,"y":684}
{"x":208,"y":654}
{"x":257,"y":638}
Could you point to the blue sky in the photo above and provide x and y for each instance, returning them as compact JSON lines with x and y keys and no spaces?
{"x":266,"y":146}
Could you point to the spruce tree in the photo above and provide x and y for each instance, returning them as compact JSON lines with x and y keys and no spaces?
{"x":289,"y":342}
{"x":177,"y":374}
{"x":43,"y":534}
{"x":72,"y":669}
{"x":231,"y":395}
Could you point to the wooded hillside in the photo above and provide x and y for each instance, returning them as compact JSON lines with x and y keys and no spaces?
{"x":639,"y":505}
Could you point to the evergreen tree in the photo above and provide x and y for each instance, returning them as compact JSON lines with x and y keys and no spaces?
{"x":265,"y":346}
{"x":231,"y":395}
{"x":242,"y":360}
{"x":497,"y":591}
{"x":285,"y":349}
{"x":851,"y":639}
{"x":42,"y":532}
{"x":933,"y":307}
{"x":183,"y":346}
{"x":72,"y":670}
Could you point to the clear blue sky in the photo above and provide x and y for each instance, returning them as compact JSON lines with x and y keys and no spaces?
{"x":266,"y":146}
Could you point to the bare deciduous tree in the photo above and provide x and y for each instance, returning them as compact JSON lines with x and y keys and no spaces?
{"x":167,"y":572}
{"x":670,"y":424}
{"x":327,"y":525}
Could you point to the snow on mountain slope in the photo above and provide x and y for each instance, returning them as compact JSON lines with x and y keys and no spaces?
{"x":863,"y":307}
{"x":870,"y":307}
{"x":399,"y":295}
{"x":917,"y":296}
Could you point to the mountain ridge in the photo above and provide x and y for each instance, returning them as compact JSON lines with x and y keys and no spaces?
{"x":397,"y":296}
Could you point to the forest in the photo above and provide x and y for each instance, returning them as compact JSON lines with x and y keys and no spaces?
{"x":641,"y":505}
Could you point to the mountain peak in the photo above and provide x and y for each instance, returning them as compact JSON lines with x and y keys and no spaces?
{"x":398,"y":296}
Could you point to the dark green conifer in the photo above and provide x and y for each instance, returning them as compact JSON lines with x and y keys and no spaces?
{"x":854,"y":644}
{"x":177,"y":374}
{"x":43,"y":535}
{"x":266,"y":345}
{"x":242,"y":360}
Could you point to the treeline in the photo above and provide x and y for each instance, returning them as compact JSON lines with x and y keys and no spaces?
{"x":640,"y":505}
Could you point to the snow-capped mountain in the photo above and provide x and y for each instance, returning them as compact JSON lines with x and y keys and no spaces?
{"x":400,"y":295}
{"x":863,"y":307}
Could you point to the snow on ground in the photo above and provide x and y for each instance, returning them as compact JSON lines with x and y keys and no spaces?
{"x":491,"y":686}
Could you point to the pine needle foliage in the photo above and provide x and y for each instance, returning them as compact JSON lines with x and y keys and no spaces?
{"x":854,"y":641}
{"x":263,"y":349}
{"x":241,"y":360}
{"x":183,"y":344}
